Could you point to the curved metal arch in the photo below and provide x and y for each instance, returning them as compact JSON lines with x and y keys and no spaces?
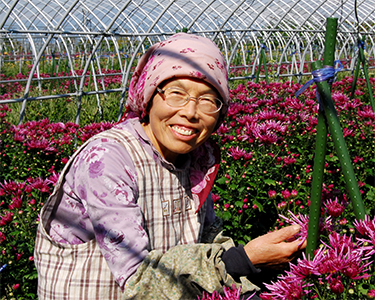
{"x":227,"y":19}
{"x":22,"y":113}
{"x":173,"y":15}
{"x":203,"y":10}
{"x":153,"y":22}
{"x":89,"y":61}
{"x":237,"y":42}
{"x":18,"y":20}
{"x":127,"y":74}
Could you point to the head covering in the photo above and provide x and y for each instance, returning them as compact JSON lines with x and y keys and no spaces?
{"x":182,"y":55}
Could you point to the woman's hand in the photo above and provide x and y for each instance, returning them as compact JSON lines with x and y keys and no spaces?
{"x":275,"y":248}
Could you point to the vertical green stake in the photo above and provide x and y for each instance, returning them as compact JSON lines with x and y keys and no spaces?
{"x":362,"y":59}
{"x":262,"y":61}
{"x":320,"y":147}
{"x":355,"y":77}
{"x":365,"y":71}
{"x":317,"y":184}
{"x":265,"y":66}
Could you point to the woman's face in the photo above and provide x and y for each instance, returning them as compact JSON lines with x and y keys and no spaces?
{"x":175,"y":131}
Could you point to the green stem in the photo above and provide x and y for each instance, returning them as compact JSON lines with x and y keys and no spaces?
{"x":317,"y":291}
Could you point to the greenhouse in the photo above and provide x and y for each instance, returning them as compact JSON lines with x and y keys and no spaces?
{"x":94,"y":36}
{"x":187,"y":149}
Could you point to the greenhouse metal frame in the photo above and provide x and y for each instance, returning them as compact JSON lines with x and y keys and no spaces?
{"x":87,"y":38}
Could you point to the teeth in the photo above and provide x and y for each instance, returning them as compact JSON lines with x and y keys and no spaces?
{"x":182,"y":131}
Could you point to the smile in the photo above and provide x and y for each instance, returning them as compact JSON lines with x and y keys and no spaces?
{"x":183,"y":131}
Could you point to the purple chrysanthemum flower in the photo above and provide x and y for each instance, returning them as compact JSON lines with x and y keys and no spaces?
{"x":233,"y":293}
{"x":301,"y":220}
{"x":286,"y":288}
{"x":366,"y":228}
{"x":236,"y":152}
{"x":343,"y":256}
{"x":306,"y":267}
{"x":336,"y":286}
{"x":334,"y":208}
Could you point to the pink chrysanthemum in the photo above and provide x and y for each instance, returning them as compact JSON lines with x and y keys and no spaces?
{"x":306,"y":267}
{"x":336,"y":285}
{"x":343,"y":256}
{"x":233,"y":293}
{"x":286,"y":288}
{"x":334,"y":208}
{"x":301,"y":220}
{"x":236,"y":152}
{"x":366,"y":228}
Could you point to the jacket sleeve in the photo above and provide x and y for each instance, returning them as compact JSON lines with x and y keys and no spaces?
{"x":184,"y":272}
{"x":100,"y":195}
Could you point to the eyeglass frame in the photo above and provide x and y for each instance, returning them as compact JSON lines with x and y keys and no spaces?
{"x":197,"y":99}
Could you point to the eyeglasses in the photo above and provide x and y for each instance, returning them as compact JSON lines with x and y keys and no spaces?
{"x":177,"y":97}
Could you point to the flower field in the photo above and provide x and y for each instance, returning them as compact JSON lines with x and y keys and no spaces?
{"x":267,"y":143}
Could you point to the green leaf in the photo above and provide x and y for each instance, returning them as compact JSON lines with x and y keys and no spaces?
{"x":260,"y":206}
{"x":241,"y":189}
{"x":221,"y":180}
{"x":333,"y":158}
{"x":226,"y":215}
{"x":269,"y":182}
{"x":238,"y":203}
{"x":33,"y":275}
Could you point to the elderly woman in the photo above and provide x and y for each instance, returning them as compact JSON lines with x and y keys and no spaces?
{"x":131,"y":216}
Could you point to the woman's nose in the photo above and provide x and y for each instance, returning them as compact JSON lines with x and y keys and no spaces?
{"x":190,"y":110}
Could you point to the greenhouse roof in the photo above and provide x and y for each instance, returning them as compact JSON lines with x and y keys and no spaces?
{"x":139,"y":17}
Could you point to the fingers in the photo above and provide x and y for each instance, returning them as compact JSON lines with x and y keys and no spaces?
{"x":303,"y":245}
{"x":285,"y":233}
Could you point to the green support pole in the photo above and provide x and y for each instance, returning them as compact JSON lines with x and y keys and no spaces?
{"x":365,"y":71}
{"x":361,"y":59}
{"x":260,"y":64}
{"x":320,"y":148}
{"x":355,"y":77}
{"x":265,"y":65}
{"x":317,"y":184}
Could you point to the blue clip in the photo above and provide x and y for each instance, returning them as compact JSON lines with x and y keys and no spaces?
{"x":3,"y":267}
{"x":320,"y":75}
{"x":264,"y":47}
{"x":361,"y":44}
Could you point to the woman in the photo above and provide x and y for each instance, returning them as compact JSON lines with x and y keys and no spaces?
{"x":131,"y":216}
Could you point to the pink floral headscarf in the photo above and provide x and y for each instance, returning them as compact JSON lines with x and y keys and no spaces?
{"x":183,"y":55}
